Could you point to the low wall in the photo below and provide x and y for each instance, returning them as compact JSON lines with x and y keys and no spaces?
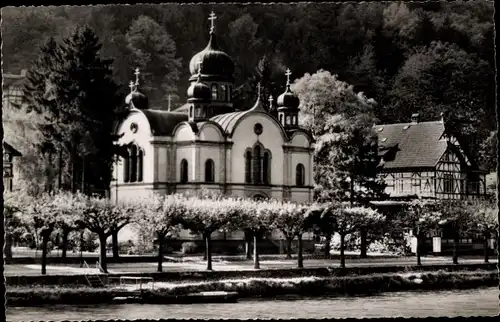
{"x":172,"y":276}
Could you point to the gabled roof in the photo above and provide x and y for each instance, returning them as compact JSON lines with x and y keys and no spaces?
{"x":411,"y":145}
{"x":163,"y":123}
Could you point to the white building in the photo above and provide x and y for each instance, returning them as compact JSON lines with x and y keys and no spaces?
{"x":209,"y":143}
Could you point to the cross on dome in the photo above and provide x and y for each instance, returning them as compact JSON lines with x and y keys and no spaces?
{"x":271,"y":100}
{"x":212,"y":18}
{"x":288,"y":73}
{"x":131,"y":85}
{"x":199,"y":62}
{"x":137,"y":73}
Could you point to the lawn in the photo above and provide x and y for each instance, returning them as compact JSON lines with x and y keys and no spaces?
{"x":197,"y":264}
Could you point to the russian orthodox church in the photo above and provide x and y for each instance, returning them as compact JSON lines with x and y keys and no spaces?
{"x":210,"y":143}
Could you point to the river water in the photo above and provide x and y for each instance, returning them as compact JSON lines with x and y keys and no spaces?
{"x":475,"y":302}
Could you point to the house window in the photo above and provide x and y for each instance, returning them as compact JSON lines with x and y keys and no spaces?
{"x":266,"y":168}
{"x":184,"y":171}
{"x":214,"y":92}
{"x":448,"y":183}
{"x":257,"y":166}
{"x":209,"y":170}
{"x":299,"y":175}
{"x":133,"y":165}
{"x":126,"y":167}
{"x":140,"y":157}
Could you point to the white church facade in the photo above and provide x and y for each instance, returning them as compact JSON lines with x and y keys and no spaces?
{"x":209,"y":143}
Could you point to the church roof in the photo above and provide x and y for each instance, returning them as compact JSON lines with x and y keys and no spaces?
{"x":411,"y":145}
{"x":229,"y":120}
{"x":163,"y":123}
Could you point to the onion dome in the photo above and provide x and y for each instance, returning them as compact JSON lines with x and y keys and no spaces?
{"x":139,"y":100}
{"x":288,"y":99}
{"x":199,"y":92}
{"x":135,"y":98}
{"x":216,"y":63}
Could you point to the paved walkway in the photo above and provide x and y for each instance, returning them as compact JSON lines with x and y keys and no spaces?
{"x":199,"y":265}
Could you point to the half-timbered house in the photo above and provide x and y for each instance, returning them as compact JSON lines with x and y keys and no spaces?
{"x":426,"y":160}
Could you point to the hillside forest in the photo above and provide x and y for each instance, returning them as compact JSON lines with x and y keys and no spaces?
{"x":403,"y":57}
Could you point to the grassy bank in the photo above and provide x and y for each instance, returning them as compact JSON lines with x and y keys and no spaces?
{"x":264,"y":287}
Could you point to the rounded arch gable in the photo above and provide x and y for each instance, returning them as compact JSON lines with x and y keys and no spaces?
{"x":183,"y":132}
{"x":301,"y":138}
{"x":211,"y":131}
{"x":264,"y":115}
{"x":134,"y":128}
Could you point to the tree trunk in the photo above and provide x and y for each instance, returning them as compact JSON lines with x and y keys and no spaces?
{"x":342,"y":246}
{"x":328,"y":239}
{"x":456,"y":246}
{"x":363,"y":245}
{"x":45,"y":241}
{"x":248,"y":252}
{"x":59,"y":171}
{"x":289,"y":247}
{"x":419,"y":237}
{"x":256,"y":263}
{"x":115,"y":247}
{"x":208,"y":252}
{"x":64,"y":242}
{"x":486,"y":250}
{"x":102,"y":252}
{"x":8,"y":245}
{"x":300,"y":260}
{"x":161,"y":238}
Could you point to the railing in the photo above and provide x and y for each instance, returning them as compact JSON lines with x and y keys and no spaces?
{"x":98,"y":266}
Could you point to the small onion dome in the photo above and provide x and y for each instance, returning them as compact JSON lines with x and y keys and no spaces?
{"x":214,"y":61}
{"x":199,"y":92}
{"x":288,"y":100}
{"x":139,"y":100}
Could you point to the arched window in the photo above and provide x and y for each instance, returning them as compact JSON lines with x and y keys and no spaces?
{"x":214,"y":92}
{"x":140,"y":159}
{"x":257,"y":175}
{"x":299,"y":175}
{"x":229,"y":93}
{"x":266,"y":175}
{"x":209,"y":171}
{"x":248,"y":167}
{"x":223,"y":93}
{"x":126,"y":167}
{"x":133,"y":164}
{"x":184,"y":171}
{"x":281,"y":119}
{"x":191,"y":111}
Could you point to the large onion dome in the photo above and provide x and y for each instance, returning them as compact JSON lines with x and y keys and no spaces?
{"x":198,"y":91}
{"x":288,"y":99}
{"x":139,"y":100}
{"x":215,"y":63}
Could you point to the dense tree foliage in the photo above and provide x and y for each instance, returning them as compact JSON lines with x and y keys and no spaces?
{"x":377,"y":47}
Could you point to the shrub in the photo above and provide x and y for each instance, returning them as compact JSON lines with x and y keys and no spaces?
{"x":188,"y":248}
